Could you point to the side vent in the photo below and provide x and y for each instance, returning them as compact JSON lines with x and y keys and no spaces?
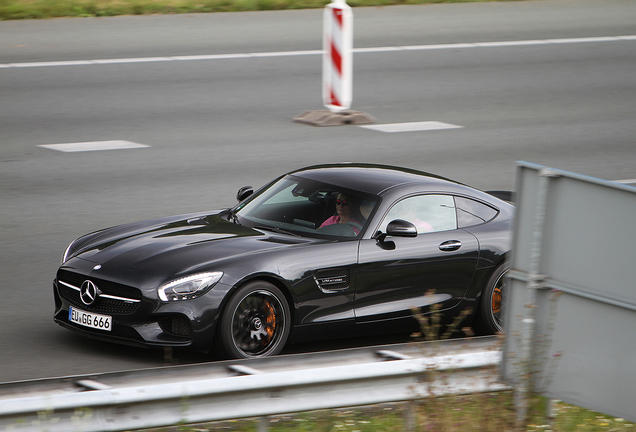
{"x":332,"y":280}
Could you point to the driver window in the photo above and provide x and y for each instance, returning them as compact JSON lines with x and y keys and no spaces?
{"x":429,"y":213}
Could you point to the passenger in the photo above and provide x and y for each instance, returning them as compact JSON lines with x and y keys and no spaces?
{"x":344,"y":213}
{"x":422,"y":226}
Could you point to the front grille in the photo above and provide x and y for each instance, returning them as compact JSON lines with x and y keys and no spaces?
{"x":103,"y":304}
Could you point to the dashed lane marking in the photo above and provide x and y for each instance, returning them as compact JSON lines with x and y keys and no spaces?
{"x":93,"y":146}
{"x":411,"y":127}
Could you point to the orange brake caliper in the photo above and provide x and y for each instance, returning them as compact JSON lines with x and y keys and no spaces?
{"x":496,"y":300}
{"x":271,"y":321}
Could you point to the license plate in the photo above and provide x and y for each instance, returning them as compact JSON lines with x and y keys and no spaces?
{"x":88,"y":319}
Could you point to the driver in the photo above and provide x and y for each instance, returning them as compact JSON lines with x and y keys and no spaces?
{"x":344,"y":213}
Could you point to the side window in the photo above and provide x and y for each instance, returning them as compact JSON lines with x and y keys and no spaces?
{"x":429,"y":213}
{"x":471,"y":212}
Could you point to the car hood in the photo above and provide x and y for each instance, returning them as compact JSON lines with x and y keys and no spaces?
{"x":178,"y":246}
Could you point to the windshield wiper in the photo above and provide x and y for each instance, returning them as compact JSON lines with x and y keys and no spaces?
{"x":276,"y":230}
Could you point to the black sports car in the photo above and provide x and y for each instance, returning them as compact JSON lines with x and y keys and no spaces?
{"x":322,"y":252}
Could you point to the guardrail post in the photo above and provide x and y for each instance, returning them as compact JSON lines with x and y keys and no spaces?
{"x":263,"y":424}
{"x":536,"y":281}
{"x":410,"y":417}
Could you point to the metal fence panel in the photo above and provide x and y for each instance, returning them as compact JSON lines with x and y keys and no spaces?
{"x":571,"y":301}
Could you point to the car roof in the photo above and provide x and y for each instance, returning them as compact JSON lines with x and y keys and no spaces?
{"x":372,"y":178}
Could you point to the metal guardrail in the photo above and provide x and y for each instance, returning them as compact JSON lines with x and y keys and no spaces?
{"x":253,"y":388}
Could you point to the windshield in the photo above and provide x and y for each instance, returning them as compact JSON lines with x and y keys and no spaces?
{"x":308,"y":208}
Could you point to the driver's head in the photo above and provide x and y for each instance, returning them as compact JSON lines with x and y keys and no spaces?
{"x":344,"y":204}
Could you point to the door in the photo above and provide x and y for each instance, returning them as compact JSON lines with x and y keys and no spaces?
{"x":400,"y":274}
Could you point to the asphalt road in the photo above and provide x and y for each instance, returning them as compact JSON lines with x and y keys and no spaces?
{"x":217,"y":124}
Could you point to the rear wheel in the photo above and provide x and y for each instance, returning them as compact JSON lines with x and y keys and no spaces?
{"x":490,"y":311}
{"x":255,"y":323}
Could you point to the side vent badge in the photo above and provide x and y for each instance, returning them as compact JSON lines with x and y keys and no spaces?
{"x":333,"y":280}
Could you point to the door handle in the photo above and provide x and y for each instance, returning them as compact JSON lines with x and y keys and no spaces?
{"x":450,"y":245}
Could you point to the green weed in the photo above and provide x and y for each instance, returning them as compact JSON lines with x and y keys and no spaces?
{"x":37,"y":9}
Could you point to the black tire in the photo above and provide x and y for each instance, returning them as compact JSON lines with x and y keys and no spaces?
{"x":490,"y":312}
{"x":255,"y":323}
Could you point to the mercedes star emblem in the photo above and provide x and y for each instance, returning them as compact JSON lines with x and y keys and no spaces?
{"x":89,"y":292}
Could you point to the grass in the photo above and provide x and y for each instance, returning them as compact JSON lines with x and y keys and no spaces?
{"x":38,"y":9}
{"x":481,"y":412}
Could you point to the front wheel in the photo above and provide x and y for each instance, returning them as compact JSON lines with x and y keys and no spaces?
{"x":490,"y":311}
{"x":255,"y":322}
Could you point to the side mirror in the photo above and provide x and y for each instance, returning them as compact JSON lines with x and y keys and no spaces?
{"x":396,"y":228}
{"x":401,"y":228}
{"x":244,"y":192}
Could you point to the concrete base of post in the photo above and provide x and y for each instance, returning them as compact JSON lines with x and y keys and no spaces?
{"x":329,"y":118}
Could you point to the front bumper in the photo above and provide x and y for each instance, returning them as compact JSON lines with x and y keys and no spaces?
{"x":147,"y":322}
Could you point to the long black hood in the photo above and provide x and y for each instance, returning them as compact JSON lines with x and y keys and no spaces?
{"x":165,"y":248}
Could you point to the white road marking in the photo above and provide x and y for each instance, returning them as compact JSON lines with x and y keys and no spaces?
{"x":319,"y":52}
{"x":93,"y":146}
{"x":411,"y":127}
{"x":626,"y":181}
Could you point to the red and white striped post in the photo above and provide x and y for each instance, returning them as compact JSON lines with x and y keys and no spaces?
{"x":337,"y":73}
{"x":337,"y":61}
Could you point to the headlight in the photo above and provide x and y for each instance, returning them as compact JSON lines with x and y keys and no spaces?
{"x":188,"y":287}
